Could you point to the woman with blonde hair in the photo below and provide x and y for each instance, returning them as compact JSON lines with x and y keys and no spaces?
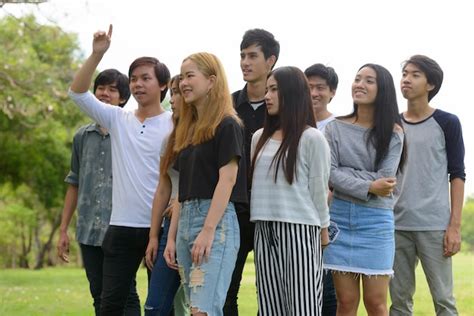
{"x":209,"y":145}
{"x":163,"y":294}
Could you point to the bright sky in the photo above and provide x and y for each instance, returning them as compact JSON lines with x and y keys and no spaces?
{"x":341,"y":34}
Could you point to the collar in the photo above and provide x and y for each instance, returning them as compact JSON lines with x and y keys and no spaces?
{"x":241,"y":97}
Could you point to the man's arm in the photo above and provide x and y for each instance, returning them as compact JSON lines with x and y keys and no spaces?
{"x":83,"y":78}
{"x":452,"y":236}
{"x":70,"y":203}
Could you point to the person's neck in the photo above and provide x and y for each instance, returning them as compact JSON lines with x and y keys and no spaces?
{"x":418,"y":109}
{"x":365,"y":115}
{"x":256,"y":90}
{"x":322,"y":115}
{"x":145,"y":111}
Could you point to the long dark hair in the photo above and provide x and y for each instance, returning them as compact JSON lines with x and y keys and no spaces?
{"x":295,"y":115}
{"x":386,"y":115}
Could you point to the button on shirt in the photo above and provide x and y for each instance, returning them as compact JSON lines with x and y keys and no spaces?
{"x":91,"y":172}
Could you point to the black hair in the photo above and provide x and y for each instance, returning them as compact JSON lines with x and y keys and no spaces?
{"x":113,"y":76}
{"x":386,"y":115}
{"x":295,"y":115}
{"x":327,"y":73}
{"x":264,"y":39}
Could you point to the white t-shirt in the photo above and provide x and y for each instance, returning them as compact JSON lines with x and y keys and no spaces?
{"x":322,"y":124}
{"x":135,"y":157}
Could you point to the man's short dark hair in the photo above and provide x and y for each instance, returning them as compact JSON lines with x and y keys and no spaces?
{"x":113,"y":76}
{"x":327,"y":73}
{"x":264,"y":39}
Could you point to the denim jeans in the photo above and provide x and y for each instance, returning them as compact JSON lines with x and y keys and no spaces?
{"x":93,"y":258}
{"x":124,"y":248}
{"x":164,"y":281}
{"x":206,"y":285}
{"x":247,"y":231}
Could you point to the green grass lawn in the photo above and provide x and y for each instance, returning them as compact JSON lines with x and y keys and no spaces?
{"x":64,"y":291}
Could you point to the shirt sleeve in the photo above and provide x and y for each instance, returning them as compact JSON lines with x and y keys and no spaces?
{"x":100,"y":112}
{"x":230,"y":142}
{"x":319,"y":168}
{"x":255,"y":138}
{"x":339,"y":179}
{"x":388,"y":166}
{"x":454,"y":148}
{"x":76,"y":153}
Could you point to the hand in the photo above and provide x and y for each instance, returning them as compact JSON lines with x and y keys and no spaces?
{"x":324,"y":237}
{"x":168,"y":211}
{"x":170,"y":254}
{"x":101,"y":42}
{"x":151,"y":252}
{"x":202,"y":246}
{"x":63,"y":246}
{"x":452,"y":241}
{"x":383,"y":186}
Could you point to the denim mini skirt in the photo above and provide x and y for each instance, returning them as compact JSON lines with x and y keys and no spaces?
{"x":365,"y":243}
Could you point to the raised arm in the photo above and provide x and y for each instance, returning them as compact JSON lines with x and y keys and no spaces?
{"x":83,"y":78}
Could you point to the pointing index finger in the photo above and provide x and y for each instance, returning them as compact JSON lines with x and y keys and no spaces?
{"x":109,"y":33}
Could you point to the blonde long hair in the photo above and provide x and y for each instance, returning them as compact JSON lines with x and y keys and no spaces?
{"x":193,"y":130}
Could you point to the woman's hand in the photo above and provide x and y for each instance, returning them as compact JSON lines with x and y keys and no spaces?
{"x":170,"y":254}
{"x":202,"y":246}
{"x":151,"y":252}
{"x":383,"y":186}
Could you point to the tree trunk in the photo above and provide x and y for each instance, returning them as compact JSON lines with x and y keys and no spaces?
{"x":46,"y":247}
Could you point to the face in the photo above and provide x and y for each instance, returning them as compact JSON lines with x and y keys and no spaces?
{"x":271,"y":97}
{"x":414,"y":83}
{"x":175,"y":99}
{"x":144,"y":85}
{"x":321,"y":94}
{"x":194,"y":85}
{"x":253,"y":64}
{"x":364,"y":87}
{"x":108,"y":93}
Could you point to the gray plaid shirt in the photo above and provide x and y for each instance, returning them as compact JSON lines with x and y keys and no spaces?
{"x":91,"y":172}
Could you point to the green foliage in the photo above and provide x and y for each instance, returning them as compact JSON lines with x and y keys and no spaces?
{"x":467,"y":225}
{"x":17,"y":219}
{"x":37,"y":122}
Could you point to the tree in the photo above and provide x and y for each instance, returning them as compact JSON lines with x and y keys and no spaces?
{"x":37,"y":121}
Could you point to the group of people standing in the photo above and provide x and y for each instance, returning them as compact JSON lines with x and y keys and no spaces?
{"x":327,"y":203}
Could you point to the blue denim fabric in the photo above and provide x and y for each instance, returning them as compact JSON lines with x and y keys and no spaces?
{"x":164,"y":281}
{"x":91,"y":172}
{"x":206,"y":285}
{"x":366,"y":241}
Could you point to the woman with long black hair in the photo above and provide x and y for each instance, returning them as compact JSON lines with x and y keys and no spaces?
{"x":291,"y":162}
{"x":366,"y":153}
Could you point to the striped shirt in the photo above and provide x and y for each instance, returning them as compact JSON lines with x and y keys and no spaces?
{"x":304,"y":201}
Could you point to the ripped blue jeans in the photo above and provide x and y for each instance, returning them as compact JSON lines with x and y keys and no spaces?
{"x":206,"y":285}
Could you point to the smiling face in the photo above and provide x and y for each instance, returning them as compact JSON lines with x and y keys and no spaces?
{"x":364,"y":87}
{"x":253,"y":64}
{"x":144,"y":85}
{"x":271,"y":97}
{"x":108,"y":93}
{"x":321,"y":93}
{"x":194,"y":85}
